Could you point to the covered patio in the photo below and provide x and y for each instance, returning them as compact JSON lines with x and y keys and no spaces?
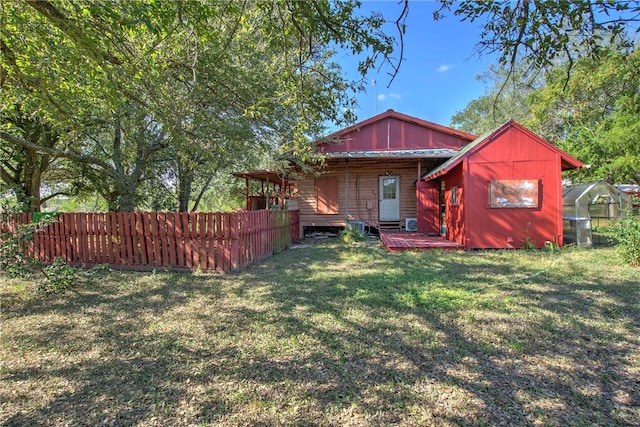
{"x":398,"y":241}
{"x":273,"y":191}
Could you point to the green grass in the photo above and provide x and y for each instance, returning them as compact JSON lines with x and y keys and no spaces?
{"x":330,"y":334}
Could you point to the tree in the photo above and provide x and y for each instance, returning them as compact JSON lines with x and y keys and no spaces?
{"x":506,"y":98}
{"x":264,"y":66}
{"x":547,"y":33}
{"x":22,"y":168}
{"x":595,"y":115}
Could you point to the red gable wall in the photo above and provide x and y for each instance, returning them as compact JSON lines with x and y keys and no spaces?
{"x":393,"y":131}
{"x":513,"y":155}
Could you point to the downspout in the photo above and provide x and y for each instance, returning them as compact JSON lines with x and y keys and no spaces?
{"x":560,"y":215}
{"x":462,"y":203}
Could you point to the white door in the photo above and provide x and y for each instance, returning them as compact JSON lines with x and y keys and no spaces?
{"x":389,"y":198}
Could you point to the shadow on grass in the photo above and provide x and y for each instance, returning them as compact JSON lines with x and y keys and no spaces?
{"x":333,"y":335}
{"x":498,"y":373}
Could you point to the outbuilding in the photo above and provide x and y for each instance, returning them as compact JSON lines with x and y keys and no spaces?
{"x":503,"y":190}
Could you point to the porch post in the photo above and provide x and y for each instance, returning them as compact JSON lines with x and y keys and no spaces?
{"x":346,"y":218}
{"x":246,"y":193}
{"x":268,"y":194}
{"x":282,"y":190}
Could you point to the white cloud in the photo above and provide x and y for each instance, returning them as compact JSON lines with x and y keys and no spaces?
{"x":445,"y":67}
{"x":391,"y":95}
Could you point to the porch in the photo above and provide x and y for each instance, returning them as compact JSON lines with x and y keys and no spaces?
{"x":398,"y":241}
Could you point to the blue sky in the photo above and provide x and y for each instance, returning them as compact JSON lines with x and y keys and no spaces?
{"x":438,"y":75}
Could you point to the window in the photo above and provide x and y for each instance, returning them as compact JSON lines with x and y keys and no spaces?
{"x":454,"y":196}
{"x":389,"y":188}
{"x":327,"y":195}
{"x":514,"y":193}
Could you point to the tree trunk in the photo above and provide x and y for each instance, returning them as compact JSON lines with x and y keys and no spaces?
{"x":205,"y":187}
{"x":185,"y":182}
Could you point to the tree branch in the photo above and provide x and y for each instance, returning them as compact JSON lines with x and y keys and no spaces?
{"x":58,"y":153}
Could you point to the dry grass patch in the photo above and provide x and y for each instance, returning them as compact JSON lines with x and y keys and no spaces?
{"x":332,"y":335}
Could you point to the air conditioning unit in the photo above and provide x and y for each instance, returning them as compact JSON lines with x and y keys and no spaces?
{"x":411,"y":224}
{"x":357,"y":225}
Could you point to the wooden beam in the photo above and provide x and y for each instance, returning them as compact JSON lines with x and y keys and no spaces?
{"x":246,"y":194}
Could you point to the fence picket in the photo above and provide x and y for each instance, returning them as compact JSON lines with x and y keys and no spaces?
{"x":211,"y":256}
{"x":147,"y":240}
{"x":219,"y":242}
{"x":202,"y":239}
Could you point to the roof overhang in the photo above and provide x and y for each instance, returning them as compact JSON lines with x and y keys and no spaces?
{"x":440,"y":153}
{"x":568,"y":162}
{"x":266,"y":175}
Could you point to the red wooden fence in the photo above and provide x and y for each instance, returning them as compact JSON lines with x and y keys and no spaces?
{"x":147,"y":240}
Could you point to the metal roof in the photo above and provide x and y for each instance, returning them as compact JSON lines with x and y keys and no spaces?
{"x":436,"y":153}
{"x":268,"y":175}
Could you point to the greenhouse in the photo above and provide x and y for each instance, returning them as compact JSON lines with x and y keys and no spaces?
{"x":586,"y":207}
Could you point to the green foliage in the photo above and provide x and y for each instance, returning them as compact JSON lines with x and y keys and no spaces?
{"x":13,"y":261}
{"x":12,"y":242}
{"x":626,"y":234}
{"x":527,"y":242}
{"x":505,"y":98}
{"x":60,"y":277}
{"x":23,"y":170}
{"x":166,"y":92}
{"x":543,"y":34}
{"x":350,"y":235}
{"x":594,"y":116}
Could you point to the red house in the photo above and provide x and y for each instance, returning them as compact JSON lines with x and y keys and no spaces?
{"x":371,"y":169}
{"x":397,"y":172}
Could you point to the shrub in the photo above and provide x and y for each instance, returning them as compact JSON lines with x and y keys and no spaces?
{"x":626,"y":234}
{"x":60,"y":276}
{"x":12,"y":241}
{"x":350,"y":235}
{"x":13,"y":261}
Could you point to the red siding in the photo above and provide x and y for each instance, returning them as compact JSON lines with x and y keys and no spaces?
{"x":391,"y":133}
{"x":513,"y":155}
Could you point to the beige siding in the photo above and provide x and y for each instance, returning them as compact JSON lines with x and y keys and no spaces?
{"x":362,"y":176}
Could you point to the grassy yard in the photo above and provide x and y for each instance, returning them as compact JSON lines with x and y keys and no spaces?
{"x":327,"y":334}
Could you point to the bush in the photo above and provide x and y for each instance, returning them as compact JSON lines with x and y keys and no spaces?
{"x":350,"y":235}
{"x":60,"y":276}
{"x":626,"y":234}
{"x":12,"y":241}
